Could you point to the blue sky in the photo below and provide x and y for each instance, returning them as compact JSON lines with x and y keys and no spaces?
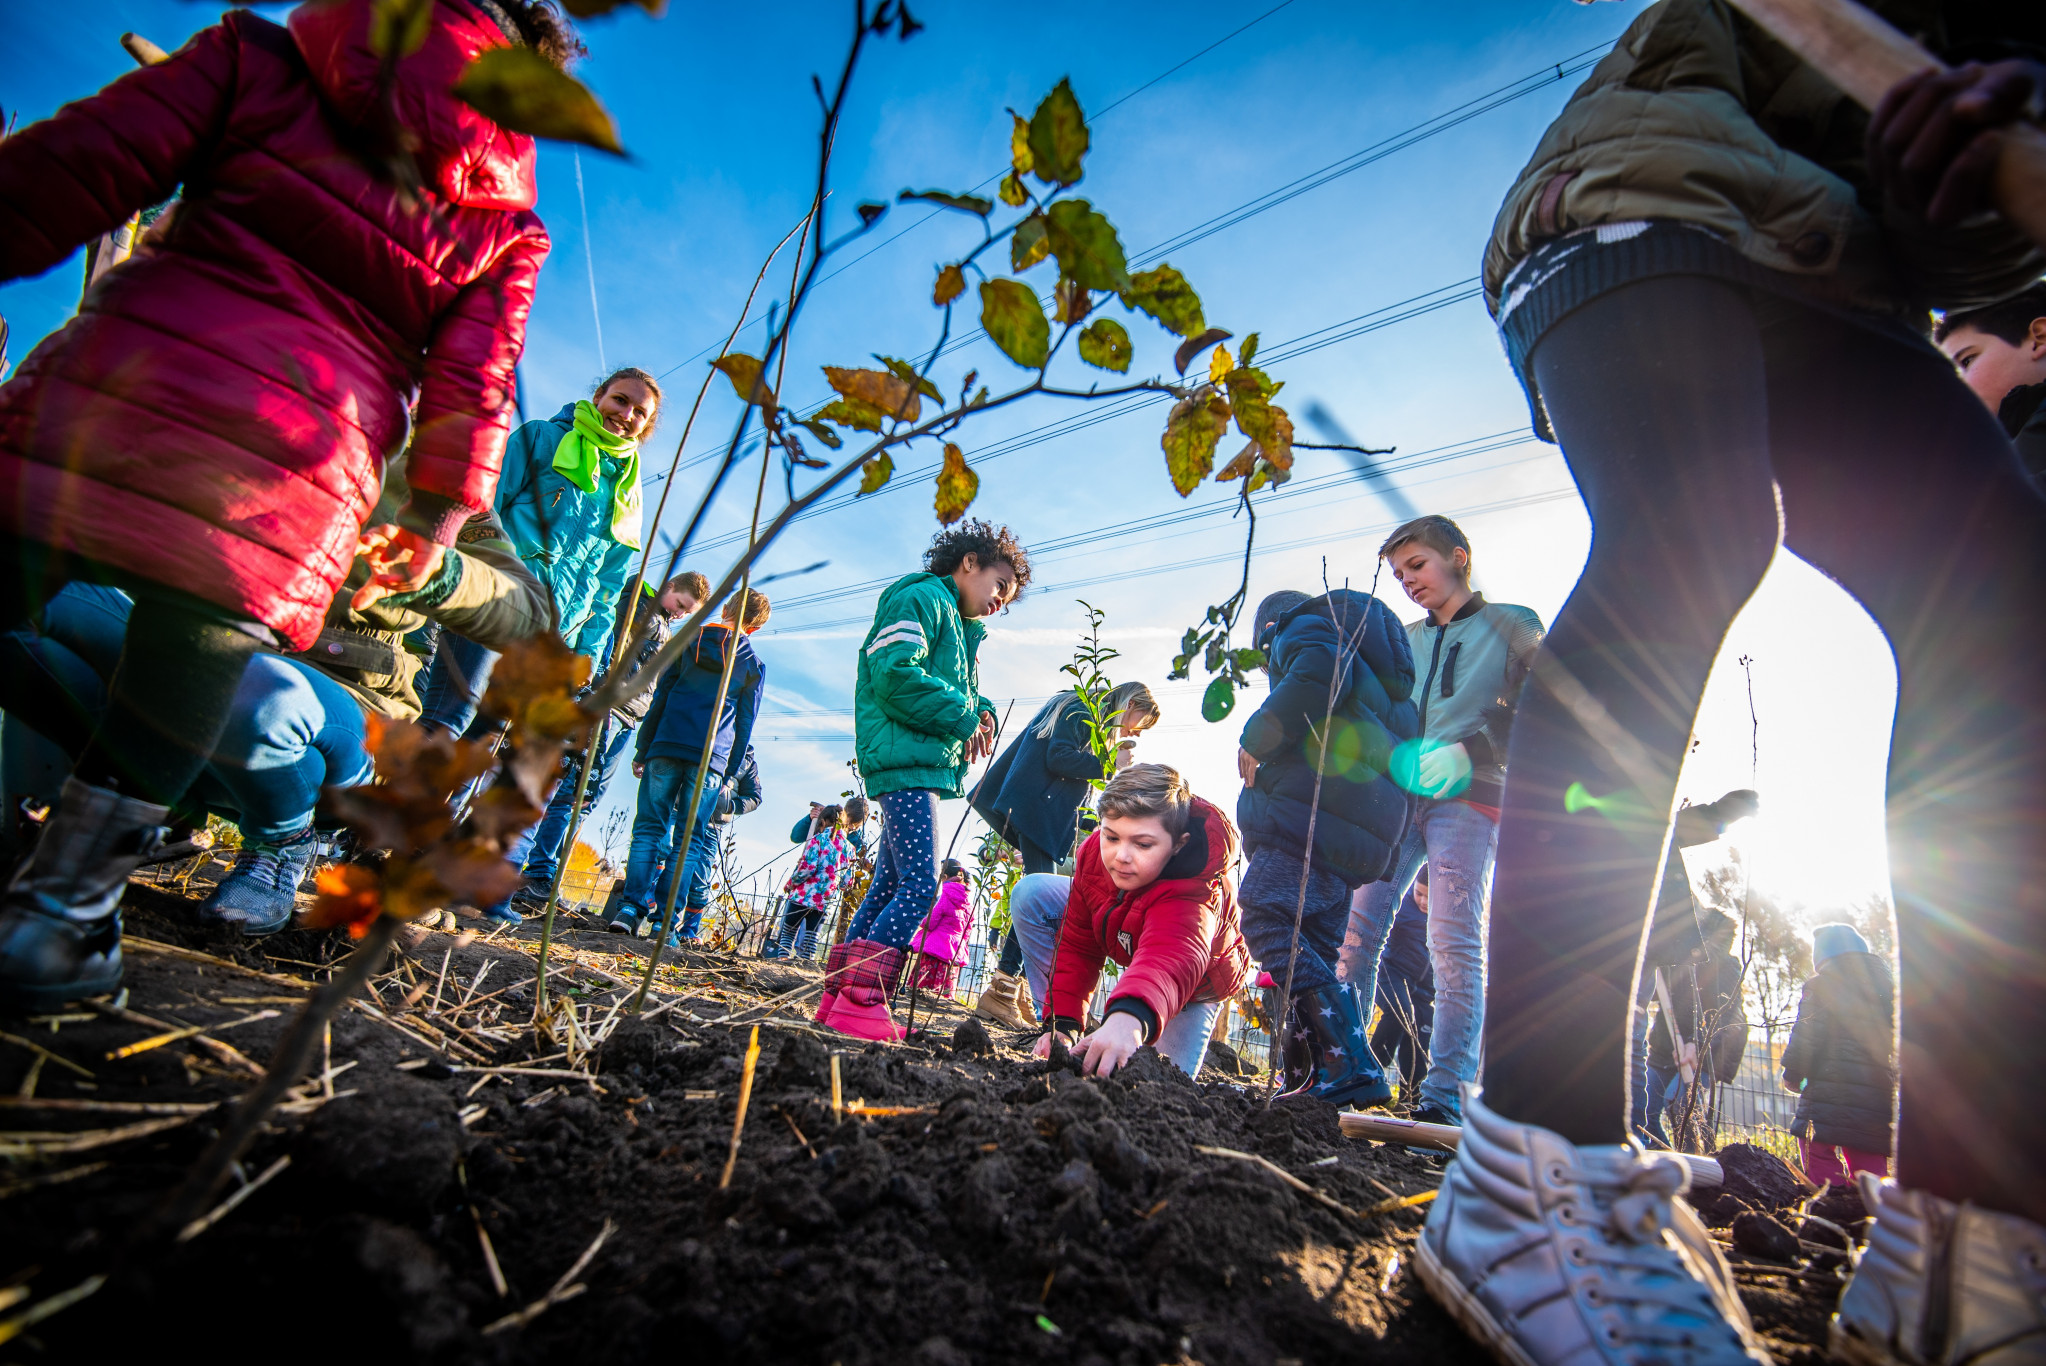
{"x":715,"y":106}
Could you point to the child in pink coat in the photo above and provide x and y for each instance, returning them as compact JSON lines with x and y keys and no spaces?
{"x":942,"y":936}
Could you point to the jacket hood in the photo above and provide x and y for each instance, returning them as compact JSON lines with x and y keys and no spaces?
{"x":466,"y":158}
{"x":1350,"y":612}
{"x":1211,"y":850}
{"x":1830,"y":941}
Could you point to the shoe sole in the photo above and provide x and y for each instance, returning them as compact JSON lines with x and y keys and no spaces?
{"x":18,"y":999}
{"x":1464,"y":1307}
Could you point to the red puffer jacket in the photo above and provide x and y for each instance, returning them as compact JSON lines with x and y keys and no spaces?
{"x":217,"y":415}
{"x":1179,"y":940}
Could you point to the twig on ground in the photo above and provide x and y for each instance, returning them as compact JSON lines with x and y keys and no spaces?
{"x":43,"y":1052}
{"x":52,"y":1178}
{"x":797,"y":1131}
{"x":745,"y":1097}
{"x":194,"y":956}
{"x":837,"y":1093}
{"x":729,"y":1016}
{"x":108,"y":1107}
{"x":221,"y":1210}
{"x":27,"y":1089}
{"x":36,"y":1313}
{"x":562,"y":1289}
{"x":1276,"y":1170}
{"x":441,"y":981}
{"x":187,"y":1032}
{"x":44,"y":1144}
{"x":489,"y":1252}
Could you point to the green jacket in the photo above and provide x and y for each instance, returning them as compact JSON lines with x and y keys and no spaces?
{"x":1700,"y":117}
{"x":917,"y":697}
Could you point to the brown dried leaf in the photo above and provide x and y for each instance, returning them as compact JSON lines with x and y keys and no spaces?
{"x":877,"y":387}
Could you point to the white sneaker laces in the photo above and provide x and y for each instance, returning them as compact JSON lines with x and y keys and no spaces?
{"x":1637,"y":1204}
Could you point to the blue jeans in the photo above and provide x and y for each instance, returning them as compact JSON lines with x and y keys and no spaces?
{"x":703,"y":856}
{"x":663,"y":795}
{"x":1269,"y":896}
{"x":455,"y":684}
{"x":1458,"y":843}
{"x":544,"y":853}
{"x":1037,"y":907}
{"x":291,"y":729}
{"x":905,"y":885}
{"x":1664,"y":1089}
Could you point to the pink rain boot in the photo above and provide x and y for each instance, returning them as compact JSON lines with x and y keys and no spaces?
{"x":865,"y":982}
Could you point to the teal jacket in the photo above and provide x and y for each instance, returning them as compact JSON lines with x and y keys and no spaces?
{"x":564,"y":534}
{"x":917,"y":697}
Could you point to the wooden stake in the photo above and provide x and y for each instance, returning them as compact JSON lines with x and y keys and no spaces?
{"x":837,"y":1091}
{"x":745,"y":1096}
{"x":1866,"y":58}
{"x":1705,"y":1171}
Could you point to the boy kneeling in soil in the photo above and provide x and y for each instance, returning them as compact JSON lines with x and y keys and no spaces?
{"x":1155,"y":890}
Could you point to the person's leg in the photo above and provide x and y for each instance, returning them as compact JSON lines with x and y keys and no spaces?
{"x":1658,"y":395}
{"x":1373,"y":907}
{"x":653,"y":828}
{"x":806,"y":937}
{"x":880,"y":888}
{"x":1461,"y":841}
{"x":1184,"y":1040}
{"x":1037,"y":910}
{"x":1861,"y":1160}
{"x":1905,"y":491}
{"x":909,"y":840}
{"x":455,"y":684}
{"x":699,"y":872}
{"x":1821,"y":1163}
{"x":1270,"y":898}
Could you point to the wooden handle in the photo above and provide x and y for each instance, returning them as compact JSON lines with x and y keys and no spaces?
{"x":1865,"y":57}
{"x":1706,"y":1173}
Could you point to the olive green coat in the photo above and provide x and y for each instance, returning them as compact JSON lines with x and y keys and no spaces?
{"x":1700,"y":117}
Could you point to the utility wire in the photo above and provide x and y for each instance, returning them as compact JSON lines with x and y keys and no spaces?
{"x":590,"y":261}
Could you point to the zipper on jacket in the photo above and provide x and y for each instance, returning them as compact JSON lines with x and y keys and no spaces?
{"x":1434,"y":658}
{"x":1449,"y":669}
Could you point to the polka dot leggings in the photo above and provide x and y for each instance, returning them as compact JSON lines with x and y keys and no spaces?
{"x":906,"y":875}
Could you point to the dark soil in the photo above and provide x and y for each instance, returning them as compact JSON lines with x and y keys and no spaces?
{"x":1012,"y":1212}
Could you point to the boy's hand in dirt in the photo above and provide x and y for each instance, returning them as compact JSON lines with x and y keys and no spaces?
{"x":1042,"y":1048}
{"x":1932,"y":144}
{"x":1246,"y":766}
{"x":400,"y":561}
{"x":1110,"y":1045}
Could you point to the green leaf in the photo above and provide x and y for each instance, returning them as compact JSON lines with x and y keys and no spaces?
{"x":1164,"y":293}
{"x":744,"y":373}
{"x":1249,"y":349}
{"x":1249,"y":658}
{"x":894,"y":396}
{"x":1106,"y":345}
{"x":906,"y":372}
{"x":1089,"y":253}
{"x":1219,"y":700}
{"x":1015,"y":320}
{"x":852,"y":412}
{"x":876,"y":472}
{"x":1012,"y":191}
{"x":1028,"y":244}
{"x":521,"y":91}
{"x":1189,"y":441}
{"x":1058,"y":137}
{"x":399,"y":26}
{"x":967,"y":203}
{"x":1258,"y":418}
{"x":956,"y":486}
{"x":951,"y":284}
{"x":1019,"y":152}
{"x":822,"y":432}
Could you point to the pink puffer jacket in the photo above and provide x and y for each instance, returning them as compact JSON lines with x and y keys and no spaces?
{"x":943,"y":933}
{"x":217,"y":416}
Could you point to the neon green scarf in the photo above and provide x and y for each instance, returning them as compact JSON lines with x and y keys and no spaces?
{"x":577,"y":459}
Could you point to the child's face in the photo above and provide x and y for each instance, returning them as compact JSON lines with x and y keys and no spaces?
{"x":1135,"y":850}
{"x":679,"y":602}
{"x":1430,"y":579}
{"x":984,"y":589}
{"x":1991,"y":366}
{"x":627,"y":408}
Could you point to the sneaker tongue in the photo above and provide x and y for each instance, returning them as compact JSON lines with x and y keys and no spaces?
{"x":1641,"y":1186}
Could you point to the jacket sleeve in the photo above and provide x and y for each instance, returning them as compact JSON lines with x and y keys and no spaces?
{"x":468,"y":398}
{"x":1170,"y":958}
{"x":1524,"y":634}
{"x":1080,"y":957}
{"x":800,"y":831}
{"x":746,"y":793}
{"x":651,"y":727}
{"x":1069,"y":755}
{"x":1300,"y":698}
{"x":747,"y":708}
{"x":84,"y":170}
{"x":1801,"y":1054}
{"x":612,"y":581}
{"x":497,"y":601}
{"x":899,"y":676}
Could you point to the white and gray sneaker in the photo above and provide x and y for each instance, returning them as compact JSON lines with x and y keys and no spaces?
{"x":1551,"y":1254}
{"x":1941,"y":1284}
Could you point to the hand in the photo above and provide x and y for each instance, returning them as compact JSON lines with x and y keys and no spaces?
{"x":1125,"y":755}
{"x":1445,"y":770}
{"x":1932,"y":144}
{"x":639,"y":770}
{"x":1246,"y":766}
{"x":983,"y":742}
{"x":400,"y":561}
{"x":1110,"y":1045}
{"x":1042,"y":1048}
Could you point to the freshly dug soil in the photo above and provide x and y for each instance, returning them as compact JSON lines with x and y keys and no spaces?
{"x":993,"y":1209}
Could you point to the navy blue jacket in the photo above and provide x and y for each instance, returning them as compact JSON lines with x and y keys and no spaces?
{"x":675,"y":724}
{"x":1034,"y":788}
{"x":1354,"y":639}
{"x":740,"y":795}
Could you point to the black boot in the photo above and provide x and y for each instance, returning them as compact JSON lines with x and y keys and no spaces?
{"x":1345,"y":1070}
{"x":60,"y":928}
{"x":1296,"y":1059}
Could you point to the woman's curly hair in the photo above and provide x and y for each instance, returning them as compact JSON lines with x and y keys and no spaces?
{"x":546,"y":30}
{"x":984,"y":541}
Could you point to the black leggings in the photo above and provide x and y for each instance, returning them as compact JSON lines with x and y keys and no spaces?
{"x":1683,"y":405}
{"x":169,"y":696}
